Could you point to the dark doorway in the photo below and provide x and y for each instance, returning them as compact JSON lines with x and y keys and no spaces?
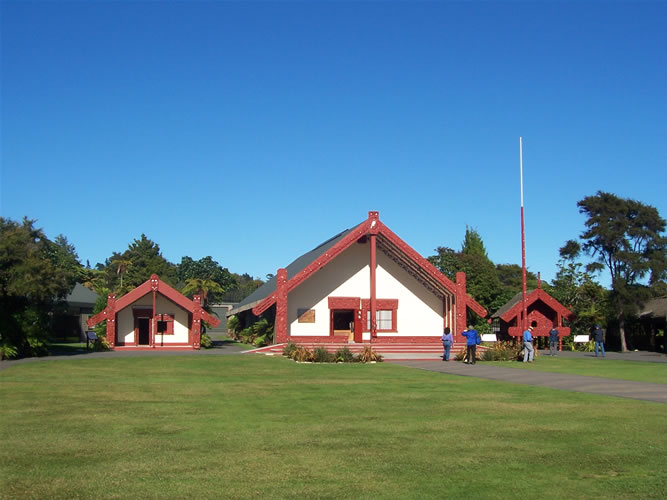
{"x":342,"y":323}
{"x":144,"y":324}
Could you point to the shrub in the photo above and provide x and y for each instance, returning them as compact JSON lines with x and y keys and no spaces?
{"x":206,"y":341}
{"x":302,"y":354}
{"x":233,"y":326}
{"x":343,"y":355}
{"x":502,"y":351}
{"x":368,"y":355}
{"x":8,"y":351}
{"x":322,"y":355}
{"x":289,"y":348}
{"x":101,"y":345}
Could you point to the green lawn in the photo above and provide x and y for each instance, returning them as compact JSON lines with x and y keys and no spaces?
{"x":638,"y":371}
{"x":256,"y":426}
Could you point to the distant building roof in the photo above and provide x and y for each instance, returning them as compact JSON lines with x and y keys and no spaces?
{"x":655,"y":308}
{"x":81,"y":297}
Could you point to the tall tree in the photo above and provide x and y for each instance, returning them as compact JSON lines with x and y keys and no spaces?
{"x":123,"y":272}
{"x":35,"y":273}
{"x":625,"y":237}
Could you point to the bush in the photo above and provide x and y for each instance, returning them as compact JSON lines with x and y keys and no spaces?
{"x":322,"y":355}
{"x":206,"y":341}
{"x":101,"y":345}
{"x":502,"y":351}
{"x":302,"y":354}
{"x":343,"y":355}
{"x":368,"y":355}
{"x":289,"y":348}
{"x":233,"y":326}
{"x":8,"y":351}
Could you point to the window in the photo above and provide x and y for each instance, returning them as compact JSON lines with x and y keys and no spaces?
{"x":165,"y":324}
{"x":384,"y":319}
{"x":385,"y":314}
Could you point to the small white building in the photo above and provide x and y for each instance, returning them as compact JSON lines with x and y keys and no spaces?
{"x":153,"y":315}
{"x":363,"y":285}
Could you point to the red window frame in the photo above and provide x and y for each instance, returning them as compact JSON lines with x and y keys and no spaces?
{"x":380,"y":305}
{"x":166,"y":321}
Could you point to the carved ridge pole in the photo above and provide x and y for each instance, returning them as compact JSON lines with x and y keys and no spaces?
{"x":280,"y":328}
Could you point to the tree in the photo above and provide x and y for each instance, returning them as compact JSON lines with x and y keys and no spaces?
{"x":576,"y":288}
{"x":123,"y":272}
{"x":206,"y":270}
{"x":35,"y":274}
{"x":122,"y":265}
{"x":625,"y":237}
{"x":203,"y":287}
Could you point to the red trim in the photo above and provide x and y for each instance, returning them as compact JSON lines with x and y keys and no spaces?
{"x":153,"y":284}
{"x":316,"y":265}
{"x":344,"y":302}
{"x":381,"y":305}
{"x":168,"y":321}
{"x":374,"y":226}
{"x":533,"y":297}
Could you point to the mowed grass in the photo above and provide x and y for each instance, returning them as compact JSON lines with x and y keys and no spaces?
{"x":638,"y":371}
{"x":256,"y":426}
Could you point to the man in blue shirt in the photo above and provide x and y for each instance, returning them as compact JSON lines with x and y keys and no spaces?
{"x":471,"y":344}
{"x":528,"y":345}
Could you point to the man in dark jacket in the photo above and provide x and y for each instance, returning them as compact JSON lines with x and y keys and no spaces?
{"x":598,"y":337}
{"x":472,"y":339}
{"x":553,"y":341}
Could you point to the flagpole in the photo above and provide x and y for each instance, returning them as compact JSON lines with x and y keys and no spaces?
{"x":524,"y":320}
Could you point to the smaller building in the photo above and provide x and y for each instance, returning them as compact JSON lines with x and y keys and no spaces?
{"x":653,"y":317}
{"x":153,"y":315}
{"x":542,"y":310}
{"x":71,"y":319}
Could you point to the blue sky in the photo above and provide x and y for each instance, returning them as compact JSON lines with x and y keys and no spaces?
{"x":252,"y":132}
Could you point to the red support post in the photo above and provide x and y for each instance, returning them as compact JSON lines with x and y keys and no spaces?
{"x":280,"y":329}
{"x":461,"y":306}
{"x":374,"y":229}
{"x":110,"y":314}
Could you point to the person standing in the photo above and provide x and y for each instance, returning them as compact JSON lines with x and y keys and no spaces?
{"x":598,"y":336}
{"x":553,"y":341}
{"x":472,"y":340}
{"x":528,"y":350}
{"x":447,"y":341}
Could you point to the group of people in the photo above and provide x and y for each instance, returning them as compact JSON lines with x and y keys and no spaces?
{"x":473,"y":339}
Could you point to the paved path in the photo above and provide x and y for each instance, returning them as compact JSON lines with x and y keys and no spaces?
{"x":580,"y":383}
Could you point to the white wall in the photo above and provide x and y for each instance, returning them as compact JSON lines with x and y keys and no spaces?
{"x":348,"y":275}
{"x":125,"y":320}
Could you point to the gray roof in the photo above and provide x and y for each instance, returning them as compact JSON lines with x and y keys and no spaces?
{"x":655,"y":308}
{"x":292,"y":270}
{"x":81,"y":296}
{"x":510,"y":304}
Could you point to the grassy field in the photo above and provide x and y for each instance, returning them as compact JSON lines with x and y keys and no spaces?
{"x":246,"y":426}
{"x":638,"y":371}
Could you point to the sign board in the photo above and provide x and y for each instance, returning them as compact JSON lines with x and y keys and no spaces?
{"x":489,"y":337}
{"x":581,"y":338}
{"x":306,"y":315}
